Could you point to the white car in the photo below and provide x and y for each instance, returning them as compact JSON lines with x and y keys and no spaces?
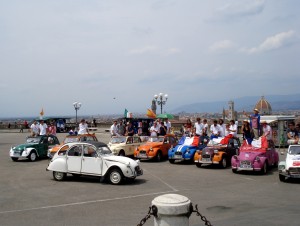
{"x":94,"y":159}
{"x":290,"y":168}
{"x":125,"y":145}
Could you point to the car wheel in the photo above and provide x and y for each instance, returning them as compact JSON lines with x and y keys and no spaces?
{"x":59,"y":176}
{"x":158,"y":156}
{"x":115,"y":176}
{"x":264,"y":169}
{"x":122,"y":153}
{"x":223,"y":163}
{"x":281,"y":178}
{"x":234,"y":170}
{"x":14,"y":159}
{"x":198,"y":164}
{"x":32,"y":156}
{"x":172,"y":161}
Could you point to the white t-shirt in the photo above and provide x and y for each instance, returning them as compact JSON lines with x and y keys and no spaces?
{"x":35,"y":128}
{"x":233,"y":127}
{"x":168,"y":125}
{"x":222,"y":133}
{"x":83,"y":128}
{"x":154,"y":130}
{"x":267,"y":130}
{"x":199,"y":128}
{"x":215,"y":129}
{"x":114,"y":130}
{"x":43,"y":129}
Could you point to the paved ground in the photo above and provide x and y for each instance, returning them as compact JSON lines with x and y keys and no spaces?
{"x":30,"y":196}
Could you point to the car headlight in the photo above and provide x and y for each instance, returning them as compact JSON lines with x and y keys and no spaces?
{"x":151,"y":149}
{"x":257,"y":159}
{"x":216,"y":151}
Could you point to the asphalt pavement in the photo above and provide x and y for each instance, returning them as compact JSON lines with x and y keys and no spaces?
{"x":30,"y":195}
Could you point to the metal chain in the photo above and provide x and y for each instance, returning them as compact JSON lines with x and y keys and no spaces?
{"x":203,"y":218}
{"x":143,"y":221}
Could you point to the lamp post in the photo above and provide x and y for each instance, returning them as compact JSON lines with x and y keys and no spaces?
{"x":160,"y":100}
{"x":76,"y":106}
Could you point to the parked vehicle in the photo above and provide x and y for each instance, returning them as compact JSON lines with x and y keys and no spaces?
{"x":35,"y":147}
{"x":71,"y":139}
{"x":185,"y":149}
{"x":217,"y":152}
{"x":290,"y":168}
{"x":156,"y":147}
{"x":94,"y":159}
{"x":255,"y":158}
{"x":125,"y":145}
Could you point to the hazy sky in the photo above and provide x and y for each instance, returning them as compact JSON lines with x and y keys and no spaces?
{"x":56,"y":52}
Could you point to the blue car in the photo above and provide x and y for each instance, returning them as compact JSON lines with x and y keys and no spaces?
{"x":186,"y":148}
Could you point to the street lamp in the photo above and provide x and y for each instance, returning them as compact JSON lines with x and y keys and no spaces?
{"x":76,"y":106}
{"x":160,"y":100}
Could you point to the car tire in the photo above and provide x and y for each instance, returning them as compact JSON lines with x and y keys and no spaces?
{"x":264,"y":169}
{"x":198,"y":164}
{"x":121,"y":153}
{"x":282,"y":178}
{"x":172,"y":161}
{"x":14,"y":159}
{"x":59,"y":176}
{"x":32,"y":156}
{"x":115,"y":176}
{"x":223,"y":163}
{"x":159,"y":156}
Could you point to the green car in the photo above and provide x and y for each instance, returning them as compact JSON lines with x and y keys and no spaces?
{"x":35,"y":147}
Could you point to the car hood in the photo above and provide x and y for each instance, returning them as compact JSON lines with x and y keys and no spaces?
{"x":181,"y":148}
{"x":293,"y":160}
{"x":23,"y":146}
{"x":210,"y":149}
{"x":120,"y":159}
{"x":150,"y":145}
{"x":249,"y":155}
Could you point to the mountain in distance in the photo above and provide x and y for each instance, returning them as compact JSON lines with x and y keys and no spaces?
{"x":277,"y":102}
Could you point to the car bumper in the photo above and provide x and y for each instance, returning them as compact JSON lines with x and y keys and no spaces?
{"x":245,"y":169}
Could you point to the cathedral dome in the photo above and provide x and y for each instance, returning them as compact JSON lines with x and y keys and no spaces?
{"x":264,"y":106}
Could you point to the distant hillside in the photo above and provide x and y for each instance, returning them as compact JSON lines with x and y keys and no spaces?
{"x":278,"y":103}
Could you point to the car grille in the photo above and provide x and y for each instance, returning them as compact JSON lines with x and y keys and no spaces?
{"x":138,"y":170}
{"x":178,"y":153}
{"x":245,"y":162}
{"x":294,"y":170}
{"x":143,"y":152}
{"x":206,"y":156}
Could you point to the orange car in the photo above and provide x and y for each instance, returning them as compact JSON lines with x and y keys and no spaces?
{"x":71,"y":139}
{"x":156,"y":147}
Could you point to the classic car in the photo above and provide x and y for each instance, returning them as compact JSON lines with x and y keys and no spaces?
{"x":35,"y":147}
{"x":72,"y":138}
{"x":93,"y":159}
{"x":156,"y":147}
{"x":290,"y":168}
{"x":125,"y":145}
{"x":217,"y":152}
{"x":254,"y":157}
{"x":185,"y":149}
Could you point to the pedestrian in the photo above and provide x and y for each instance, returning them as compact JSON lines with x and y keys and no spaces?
{"x":129,"y":129}
{"x":52,"y":129}
{"x":34,"y":128}
{"x":114,"y":129}
{"x":267,"y":130}
{"x":247,"y":132}
{"x":95,"y":122}
{"x":255,"y":122}
{"x":21,"y":128}
{"x":43,"y":128}
{"x":83,"y":127}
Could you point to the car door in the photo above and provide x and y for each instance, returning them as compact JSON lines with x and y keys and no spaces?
{"x":129,"y":146}
{"x":91,"y":163}
{"x":136,"y":143}
{"x":43,"y":146}
{"x":74,"y":157}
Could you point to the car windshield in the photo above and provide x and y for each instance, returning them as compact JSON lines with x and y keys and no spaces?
{"x":117,"y":140}
{"x":103,"y":151}
{"x":71,"y":139}
{"x":33,"y":139}
{"x":294,"y":150}
{"x":156,"y":139}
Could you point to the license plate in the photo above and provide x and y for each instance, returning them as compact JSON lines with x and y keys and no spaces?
{"x":142,"y":155}
{"x":16,"y":154}
{"x":245,"y":166}
{"x":177,"y":156}
{"x":296,"y":176}
{"x":206,"y":160}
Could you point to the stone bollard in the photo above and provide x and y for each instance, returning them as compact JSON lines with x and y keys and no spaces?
{"x":172,"y":210}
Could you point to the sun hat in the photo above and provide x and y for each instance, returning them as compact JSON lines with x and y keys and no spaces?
{"x":256,"y":110}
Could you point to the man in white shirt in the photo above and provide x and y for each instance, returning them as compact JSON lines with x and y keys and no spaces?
{"x":83,"y":127}
{"x":222,"y":125}
{"x":215,"y":130}
{"x":34,"y":129}
{"x":267,"y":131}
{"x":167,"y":124}
{"x":154,"y":129}
{"x":233,"y":128}
{"x":43,"y":128}
{"x":114,"y":129}
{"x":198,"y":127}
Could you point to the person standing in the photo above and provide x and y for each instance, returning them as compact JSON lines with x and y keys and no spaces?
{"x":222,"y":126}
{"x":162,"y":129}
{"x":198,"y":127}
{"x":114,"y":129}
{"x":267,"y":130}
{"x":52,"y":129}
{"x":34,"y":128}
{"x":43,"y":128}
{"x":247,"y":132}
{"x":168,"y":125}
{"x":205,"y":127}
{"x":154,"y":130}
{"x":83,"y":127}
{"x":232,"y":128}
{"x":129,"y":129}
{"x":215,"y":130}
{"x":255,"y":122}
{"x":121,"y":128}
{"x":292,"y":134}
